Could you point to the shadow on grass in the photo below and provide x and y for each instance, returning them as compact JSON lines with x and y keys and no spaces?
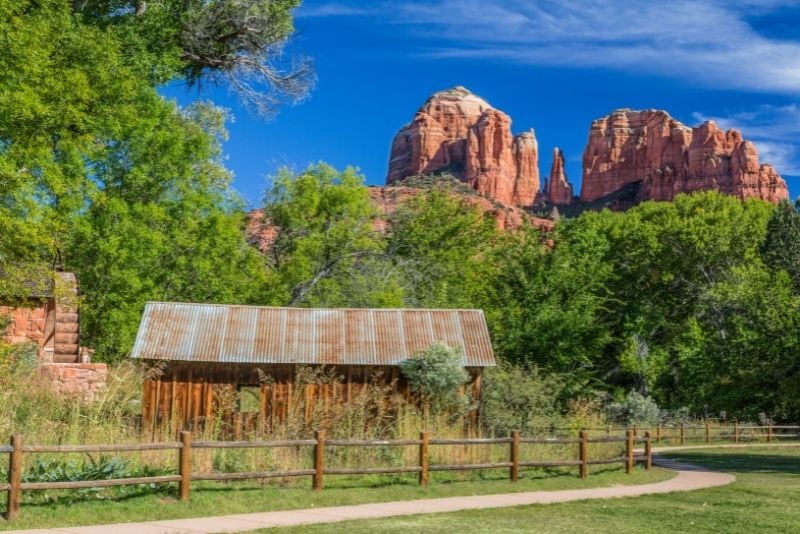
{"x":739,"y":462}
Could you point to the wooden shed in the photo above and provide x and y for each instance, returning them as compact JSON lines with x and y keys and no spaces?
{"x":201,"y":354}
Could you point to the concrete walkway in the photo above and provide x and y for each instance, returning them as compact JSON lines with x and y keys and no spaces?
{"x":689,"y":478}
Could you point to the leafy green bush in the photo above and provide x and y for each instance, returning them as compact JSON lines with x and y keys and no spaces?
{"x":518,"y":398}
{"x":102,"y":468}
{"x":436,"y":374}
{"x":635,"y":409}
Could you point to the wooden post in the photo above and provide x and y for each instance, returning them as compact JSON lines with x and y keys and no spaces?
{"x":658,"y":433}
{"x":769,"y":433}
{"x":635,"y":430}
{"x":682,"y":433}
{"x":185,"y":460}
{"x":514,"y":472}
{"x":648,"y":450}
{"x":319,"y":459}
{"x":583,"y":452}
{"x":735,"y":432}
{"x":14,"y":476}
{"x":629,"y":451}
{"x":424,"y":460}
{"x":708,"y":432}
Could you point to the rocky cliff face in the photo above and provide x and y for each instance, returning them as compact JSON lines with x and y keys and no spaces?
{"x":669,"y":158}
{"x":458,"y":132}
{"x":559,"y":190}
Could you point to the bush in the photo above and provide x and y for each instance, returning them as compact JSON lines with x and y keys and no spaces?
{"x":516,"y":398}
{"x":436,"y":374}
{"x":636,"y":409}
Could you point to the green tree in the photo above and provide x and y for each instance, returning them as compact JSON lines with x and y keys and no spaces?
{"x":442,"y":241}
{"x":326,"y":250}
{"x":103,"y":176}
{"x":781,"y":248}
{"x":623,"y":301}
{"x":236,"y":42}
{"x":551,"y":305}
{"x":740,"y":350}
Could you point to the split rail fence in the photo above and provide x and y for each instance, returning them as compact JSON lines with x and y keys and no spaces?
{"x":679,"y":434}
{"x":15,"y":486}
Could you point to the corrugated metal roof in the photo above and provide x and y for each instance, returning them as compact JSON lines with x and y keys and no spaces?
{"x":250,"y":334}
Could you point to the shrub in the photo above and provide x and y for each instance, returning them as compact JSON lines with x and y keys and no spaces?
{"x":635,"y":409}
{"x":436,"y":374}
{"x":516,"y":398}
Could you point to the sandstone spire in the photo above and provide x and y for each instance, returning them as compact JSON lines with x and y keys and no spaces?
{"x":458,"y":132}
{"x":559,"y":190}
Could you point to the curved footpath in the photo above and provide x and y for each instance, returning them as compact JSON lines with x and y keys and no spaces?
{"x":689,"y":478}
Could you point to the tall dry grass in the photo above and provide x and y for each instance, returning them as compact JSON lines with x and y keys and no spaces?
{"x":28,"y":407}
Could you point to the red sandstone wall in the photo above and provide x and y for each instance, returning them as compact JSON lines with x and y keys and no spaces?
{"x":83,"y":379}
{"x":27,"y":324}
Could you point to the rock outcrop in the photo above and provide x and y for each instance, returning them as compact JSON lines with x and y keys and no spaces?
{"x":669,"y":158}
{"x":559,"y":190}
{"x":459,"y":133}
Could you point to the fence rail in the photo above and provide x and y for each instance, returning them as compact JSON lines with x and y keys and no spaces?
{"x":16,"y":450}
{"x":682,"y":433}
{"x":14,"y":487}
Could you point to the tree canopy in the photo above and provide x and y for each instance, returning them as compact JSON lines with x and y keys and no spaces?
{"x":101,"y":175}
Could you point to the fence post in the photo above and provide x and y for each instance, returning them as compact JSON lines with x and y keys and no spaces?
{"x":629,"y":451}
{"x":514,"y":472}
{"x":424,"y":460}
{"x":319,"y":459}
{"x":635,"y":431}
{"x":769,"y":433}
{"x":185,"y":461}
{"x":648,"y":450}
{"x":708,"y":432}
{"x":682,"y":433}
{"x":583,"y":453}
{"x":735,"y":432}
{"x":658,"y":433}
{"x":14,"y":476}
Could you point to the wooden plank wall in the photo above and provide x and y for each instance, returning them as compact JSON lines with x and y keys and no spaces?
{"x":192,"y":394}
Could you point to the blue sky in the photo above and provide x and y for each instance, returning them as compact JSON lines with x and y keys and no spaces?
{"x":552,"y":65}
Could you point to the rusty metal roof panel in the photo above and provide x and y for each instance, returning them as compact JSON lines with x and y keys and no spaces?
{"x":248,"y":334}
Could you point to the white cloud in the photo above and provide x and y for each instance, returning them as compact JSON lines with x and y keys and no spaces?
{"x":773,"y":129}
{"x":334,"y":9}
{"x":711,"y":41}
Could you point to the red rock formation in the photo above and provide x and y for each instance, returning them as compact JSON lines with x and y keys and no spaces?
{"x":669,"y":158}
{"x":460,"y":133}
{"x":559,"y":190}
{"x":259,"y":232}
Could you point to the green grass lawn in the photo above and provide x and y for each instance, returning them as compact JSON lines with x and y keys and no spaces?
{"x":764,"y":498}
{"x":218,"y":499}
